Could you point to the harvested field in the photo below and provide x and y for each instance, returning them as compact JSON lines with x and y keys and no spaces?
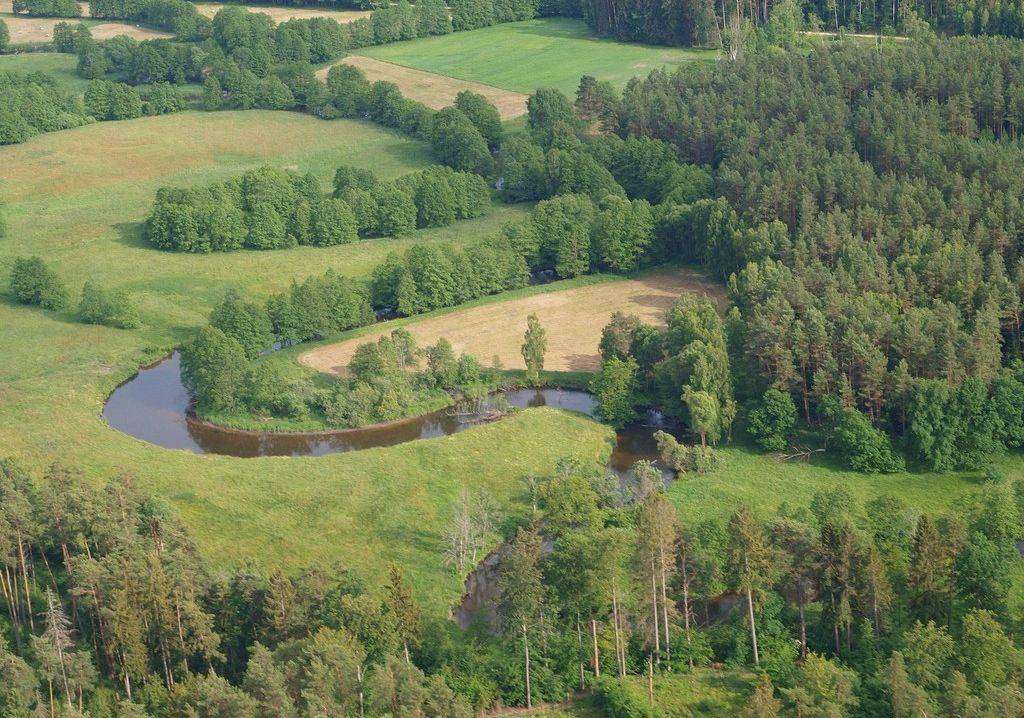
{"x":435,"y":90}
{"x":26,"y":29}
{"x":281,"y":14}
{"x":573,"y":318}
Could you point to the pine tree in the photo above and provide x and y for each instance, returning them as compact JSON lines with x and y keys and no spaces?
{"x":405,"y":612}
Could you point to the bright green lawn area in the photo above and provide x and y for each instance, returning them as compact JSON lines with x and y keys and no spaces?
{"x":60,"y":66}
{"x":522,"y":56}
{"x":76,"y":198}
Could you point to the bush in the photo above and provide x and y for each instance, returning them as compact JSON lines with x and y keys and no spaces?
{"x":771,"y":421}
{"x":618,"y":699}
{"x":857,"y":443}
{"x":111,"y":307}
{"x":32,"y":282}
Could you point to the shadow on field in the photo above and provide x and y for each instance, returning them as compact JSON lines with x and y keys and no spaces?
{"x":130,"y":234}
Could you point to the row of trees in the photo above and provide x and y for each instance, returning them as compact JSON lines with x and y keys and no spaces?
{"x":268,"y":208}
{"x":35,"y":284}
{"x":47,"y":8}
{"x":176,"y":16}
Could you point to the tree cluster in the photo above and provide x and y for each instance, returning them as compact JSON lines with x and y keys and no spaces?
{"x":31,"y":104}
{"x":177,"y":16}
{"x":47,"y":8}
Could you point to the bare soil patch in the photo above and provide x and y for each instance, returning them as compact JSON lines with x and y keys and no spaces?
{"x":433,"y":90}
{"x":25,"y":29}
{"x":573,"y":319}
{"x":281,"y":14}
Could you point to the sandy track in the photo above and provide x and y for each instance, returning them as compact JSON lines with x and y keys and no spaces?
{"x":26,"y":29}
{"x":280,"y":14}
{"x":433,"y":90}
{"x":573,"y":319}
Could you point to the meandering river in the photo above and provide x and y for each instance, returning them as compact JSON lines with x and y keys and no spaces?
{"x":154,"y":406}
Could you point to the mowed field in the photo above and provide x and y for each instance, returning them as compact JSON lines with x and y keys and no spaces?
{"x":433,"y":90}
{"x":522,"y":56}
{"x":24,"y":29}
{"x":573,"y":319}
{"x":281,"y":14}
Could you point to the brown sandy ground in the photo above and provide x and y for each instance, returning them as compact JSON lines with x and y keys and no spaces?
{"x":280,"y":14}
{"x":573,"y":319}
{"x":26,"y":29}
{"x":433,"y":90}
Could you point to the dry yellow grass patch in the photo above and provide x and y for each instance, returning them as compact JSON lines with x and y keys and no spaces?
{"x":281,"y":14}
{"x":435,"y":90}
{"x":26,"y":29}
{"x":573,"y":319}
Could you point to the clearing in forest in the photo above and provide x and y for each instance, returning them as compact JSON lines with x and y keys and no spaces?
{"x":522,"y":56}
{"x":433,"y":90}
{"x":25,"y":29}
{"x":281,"y":14}
{"x":573,"y":319}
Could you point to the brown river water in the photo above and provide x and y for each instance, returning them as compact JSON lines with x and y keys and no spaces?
{"x":154,"y":406}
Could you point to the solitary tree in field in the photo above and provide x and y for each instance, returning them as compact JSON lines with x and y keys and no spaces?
{"x":535,"y":344}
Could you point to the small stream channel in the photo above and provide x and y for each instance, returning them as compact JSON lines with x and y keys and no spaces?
{"x":154,"y":406}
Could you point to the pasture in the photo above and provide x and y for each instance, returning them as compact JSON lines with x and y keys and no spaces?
{"x":433,"y":90}
{"x":27,"y":30}
{"x":522,"y":56}
{"x":59,"y":66}
{"x":573,"y":318}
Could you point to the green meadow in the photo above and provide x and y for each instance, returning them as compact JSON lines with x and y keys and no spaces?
{"x":522,"y":56}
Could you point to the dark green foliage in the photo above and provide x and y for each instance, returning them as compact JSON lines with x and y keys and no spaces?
{"x":523,"y":170}
{"x":317,"y":307}
{"x":265,"y":208}
{"x":107,"y":100}
{"x":30,"y":104}
{"x":857,"y":443}
{"x":346,"y":177}
{"x":432,"y":18}
{"x":48,"y":8}
{"x":484,"y":116}
{"x":246,"y":322}
{"x":770,"y":422}
{"x":5,"y":36}
{"x":162,"y":99}
{"x":212,"y":367}
{"x":63,"y":37}
{"x":472,"y":14}
{"x":395,"y":211}
{"x":177,"y":16}
{"x":615,"y":388}
{"x":563,"y":226}
{"x":32,"y":282}
{"x":622,"y":233}
{"x":458,"y":143}
{"x":392,"y":23}
{"x":442,"y":195}
{"x":112,"y":307}
{"x":547,"y":111}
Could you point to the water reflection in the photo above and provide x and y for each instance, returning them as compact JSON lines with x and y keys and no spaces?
{"x":153,"y":406}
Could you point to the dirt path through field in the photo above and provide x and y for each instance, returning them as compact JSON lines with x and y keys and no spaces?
{"x":573,"y":319}
{"x":433,"y":90}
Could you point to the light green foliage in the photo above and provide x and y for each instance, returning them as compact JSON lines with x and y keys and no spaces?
{"x":535,"y":344}
{"x":615,"y":388}
{"x":113,"y":307}
{"x":212,"y":367}
{"x":32,"y":282}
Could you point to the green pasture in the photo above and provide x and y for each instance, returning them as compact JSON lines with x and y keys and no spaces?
{"x":522,"y":56}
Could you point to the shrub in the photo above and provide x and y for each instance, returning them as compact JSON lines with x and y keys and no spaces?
{"x":63,"y":37}
{"x":32,"y":282}
{"x":857,"y":443}
{"x":111,"y":307}
{"x":771,"y":421}
{"x":618,"y":699}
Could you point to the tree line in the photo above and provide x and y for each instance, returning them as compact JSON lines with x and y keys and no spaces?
{"x":843,"y":608}
{"x":35,"y":284}
{"x":269,"y":208}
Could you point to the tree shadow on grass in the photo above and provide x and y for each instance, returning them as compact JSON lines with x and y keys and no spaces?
{"x":130,"y":234}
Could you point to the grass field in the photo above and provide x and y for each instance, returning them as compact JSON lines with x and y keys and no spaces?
{"x":433,"y":90}
{"x":76,"y":198}
{"x":281,"y":14}
{"x":59,"y":66}
{"x":24,"y":29}
{"x":573,"y":318}
{"x":522,"y":56}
